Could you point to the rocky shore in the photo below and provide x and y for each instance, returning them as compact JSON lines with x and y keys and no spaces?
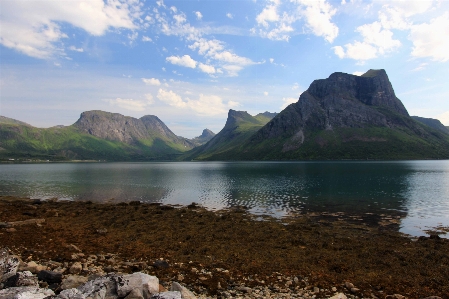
{"x":69,"y":250}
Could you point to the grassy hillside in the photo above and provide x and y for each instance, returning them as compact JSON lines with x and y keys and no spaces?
{"x":239,"y":127}
{"x":68,"y":143}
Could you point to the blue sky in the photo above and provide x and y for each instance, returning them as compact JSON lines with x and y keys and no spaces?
{"x":190,"y":61}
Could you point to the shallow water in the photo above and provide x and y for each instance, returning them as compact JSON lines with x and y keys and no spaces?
{"x":417,"y":189}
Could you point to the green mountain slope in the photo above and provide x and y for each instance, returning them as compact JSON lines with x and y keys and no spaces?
{"x":239,"y":127}
{"x":96,"y":135}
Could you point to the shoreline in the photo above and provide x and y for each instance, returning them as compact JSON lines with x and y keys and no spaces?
{"x":217,"y":252}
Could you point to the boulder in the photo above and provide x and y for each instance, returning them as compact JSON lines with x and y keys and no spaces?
{"x":22,"y":279}
{"x":102,"y":287}
{"x":32,"y":267}
{"x":185,"y":293}
{"x":135,"y":294}
{"x":126,"y":283}
{"x":76,"y":268}
{"x":339,"y":296}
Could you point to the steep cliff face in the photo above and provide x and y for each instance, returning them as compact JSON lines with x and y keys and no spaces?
{"x":341,"y":117}
{"x":117,"y":127}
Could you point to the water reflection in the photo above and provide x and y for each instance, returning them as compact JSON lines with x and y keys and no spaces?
{"x":419,"y":188}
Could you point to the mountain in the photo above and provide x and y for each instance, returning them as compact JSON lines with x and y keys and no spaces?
{"x":341,"y":117}
{"x":96,"y":135}
{"x":9,"y":121}
{"x":203,"y":138}
{"x":433,"y":123}
{"x":238,"y":128}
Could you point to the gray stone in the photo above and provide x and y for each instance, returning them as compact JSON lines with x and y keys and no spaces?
{"x":147,"y":283}
{"x":25,"y":293}
{"x":102,"y":288}
{"x":73,"y":281}
{"x":22,"y":279}
{"x":167,"y":295}
{"x":8,"y":265}
{"x":71,"y":294}
{"x":185,"y":293}
{"x":135,"y":294}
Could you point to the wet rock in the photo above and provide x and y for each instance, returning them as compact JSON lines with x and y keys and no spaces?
{"x":25,"y":293}
{"x":50,"y":276}
{"x":185,"y":293}
{"x":72,"y":281}
{"x":161,"y":264}
{"x":167,"y":295}
{"x":147,"y":283}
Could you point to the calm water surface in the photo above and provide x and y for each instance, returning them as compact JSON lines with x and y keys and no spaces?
{"x":417,"y":189}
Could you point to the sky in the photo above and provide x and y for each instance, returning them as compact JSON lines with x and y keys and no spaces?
{"x":190,"y":61}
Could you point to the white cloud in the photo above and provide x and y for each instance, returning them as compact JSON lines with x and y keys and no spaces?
{"x":229,"y":15}
{"x":271,"y":60}
{"x":209,"y":69}
{"x":149,"y":98}
{"x":146,"y":39}
{"x":358,"y":73}
{"x":33,"y":26}
{"x":208,"y":105}
{"x":420,"y":67}
{"x":151,"y":81}
{"x":129,"y":104}
{"x":376,"y":41}
{"x":287,"y":101}
{"x":277,"y":19}
{"x":444,"y":118}
{"x":171,"y":98}
{"x":431,"y":39}
{"x":265,"y":93}
{"x":198,"y":15}
{"x":318,"y":16}
{"x":185,"y":61}
{"x":73,"y":48}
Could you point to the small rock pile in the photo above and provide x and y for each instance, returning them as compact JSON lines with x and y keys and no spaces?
{"x":25,"y":284}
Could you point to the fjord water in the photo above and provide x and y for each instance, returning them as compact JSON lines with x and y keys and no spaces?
{"x":418,"y":190}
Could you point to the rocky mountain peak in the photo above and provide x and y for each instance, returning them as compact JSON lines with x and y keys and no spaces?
{"x":372,"y":88}
{"x":207,"y":134}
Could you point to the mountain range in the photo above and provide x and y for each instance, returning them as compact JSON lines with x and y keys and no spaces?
{"x":341,"y":117}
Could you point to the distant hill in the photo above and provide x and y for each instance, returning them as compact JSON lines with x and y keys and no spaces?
{"x":96,"y":135}
{"x":238,"y":128}
{"x":203,"y":138}
{"x":433,"y":123}
{"x":341,"y":117}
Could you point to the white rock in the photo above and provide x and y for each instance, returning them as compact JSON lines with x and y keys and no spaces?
{"x":339,"y":296}
{"x":185,"y":293}
{"x":147,"y":283}
{"x":71,"y":294}
{"x":167,"y":295}
{"x":8,"y":266}
{"x":25,"y":293}
{"x":101,"y":288}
